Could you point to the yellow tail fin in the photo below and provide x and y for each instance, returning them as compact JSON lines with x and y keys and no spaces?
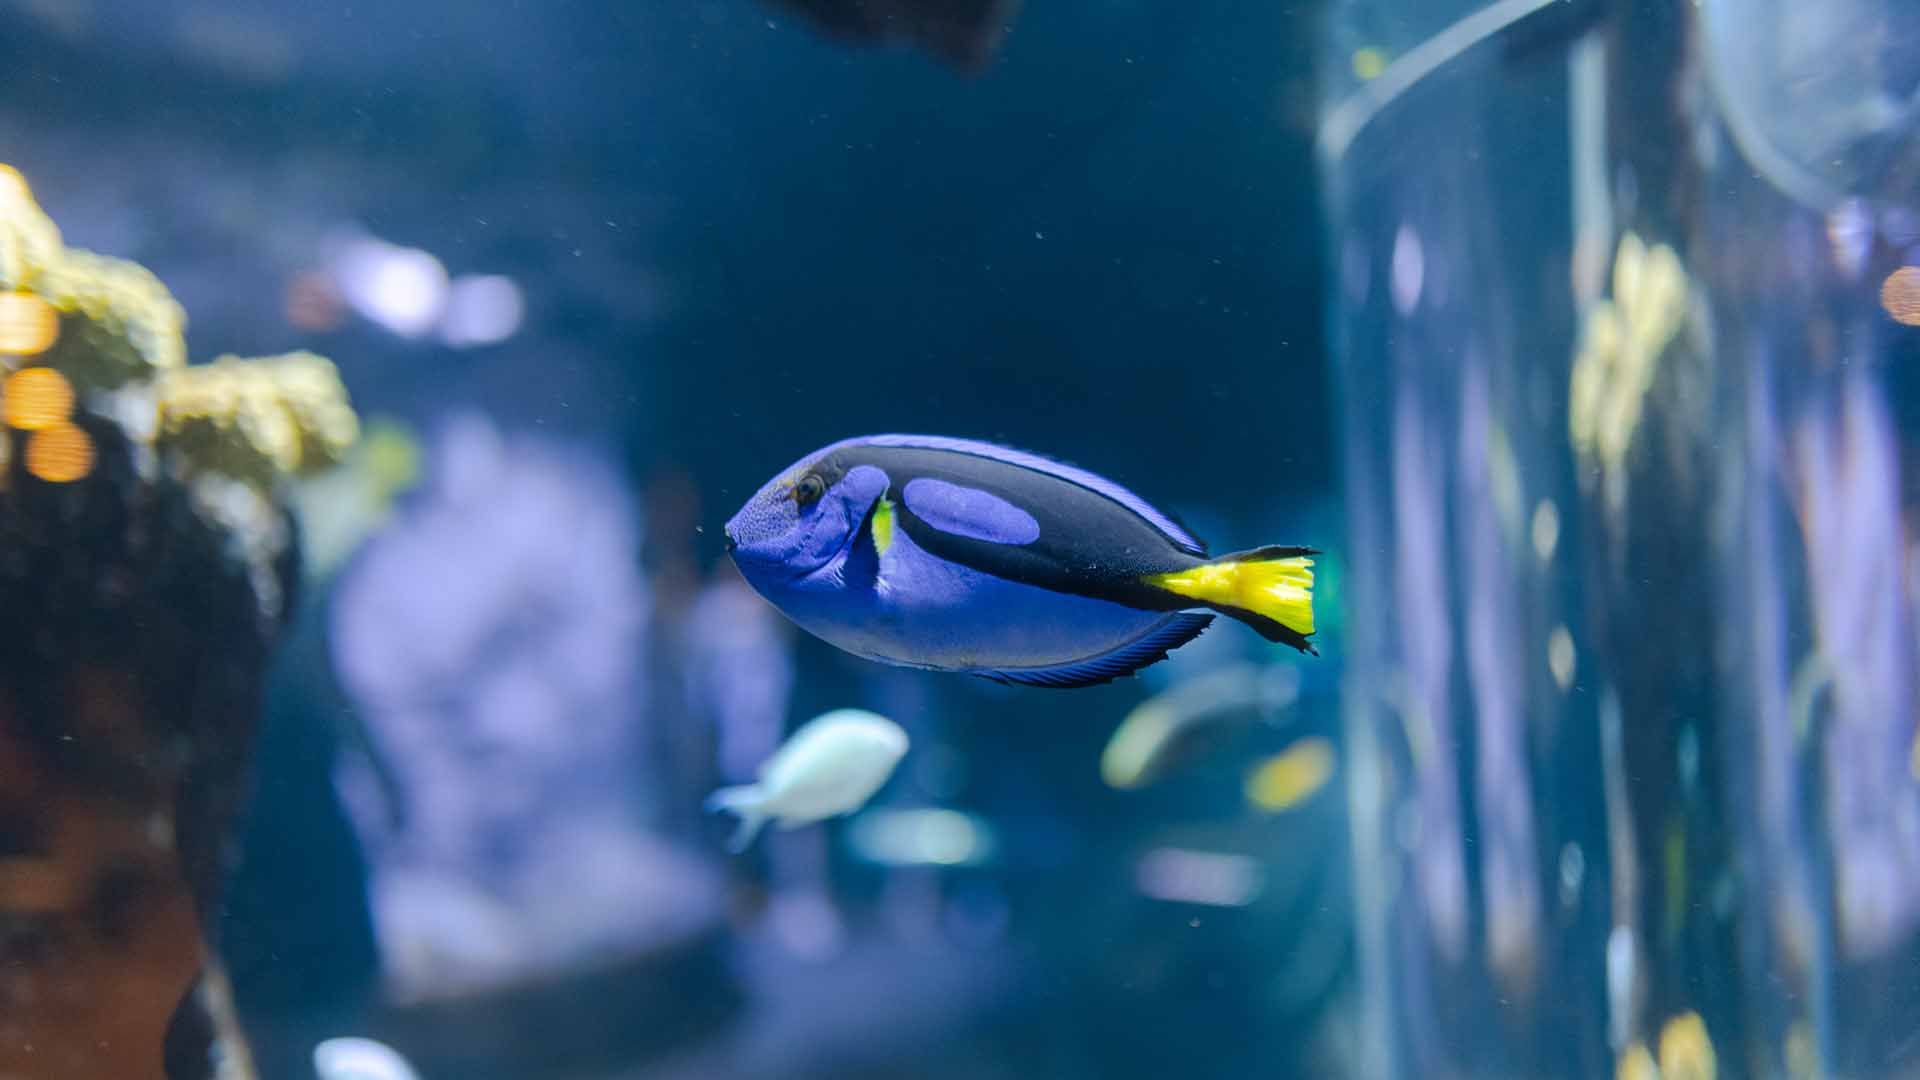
{"x":1270,"y":589}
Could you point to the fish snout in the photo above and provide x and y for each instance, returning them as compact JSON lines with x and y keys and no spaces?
{"x":731,"y":542}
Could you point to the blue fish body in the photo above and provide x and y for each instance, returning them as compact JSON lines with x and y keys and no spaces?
{"x":955,"y":555}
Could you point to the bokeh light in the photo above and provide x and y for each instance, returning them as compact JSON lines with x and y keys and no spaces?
{"x":60,"y":455}
{"x":1900,"y":295}
{"x":355,"y":1058}
{"x":1545,"y":529}
{"x":1686,"y":1051}
{"x":481,"y":309}
{"x":1636,"y":1063}
{"x":1369,"y":62}
{"x":37,"y":398}
{"x":1188,"y":876}
{"x":1291,"y":776}
{"x":28,"y":325}
{"x":402,"y":289}
{"x":1561,"y":656}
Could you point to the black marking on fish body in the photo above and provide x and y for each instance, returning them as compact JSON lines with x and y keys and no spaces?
{"x":1089,"y":544}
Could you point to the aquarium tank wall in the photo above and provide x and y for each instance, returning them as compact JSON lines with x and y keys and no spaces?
{"x":959,"y":540}
{"x":1622,"y":320}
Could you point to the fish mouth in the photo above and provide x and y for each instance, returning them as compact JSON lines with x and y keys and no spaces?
{"x":732,"y":544}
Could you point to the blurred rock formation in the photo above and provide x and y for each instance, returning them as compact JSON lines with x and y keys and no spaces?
{"x":147,"y":567}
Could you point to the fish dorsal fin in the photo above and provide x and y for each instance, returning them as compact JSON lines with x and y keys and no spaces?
{"x":1091,"y":481}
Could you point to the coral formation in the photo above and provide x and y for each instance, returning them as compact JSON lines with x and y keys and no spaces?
{"x":257,"y":419}
{"x":147,"y":556}
{"x":80,"y":331}
{"x":102,"y":324}
{"x":508,"y":593}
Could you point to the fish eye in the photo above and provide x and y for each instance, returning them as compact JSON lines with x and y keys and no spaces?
{"x":809,"y":490}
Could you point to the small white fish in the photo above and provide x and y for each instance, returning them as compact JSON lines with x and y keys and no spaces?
{"x":832,"y":765}
{"x":354,"y":1058}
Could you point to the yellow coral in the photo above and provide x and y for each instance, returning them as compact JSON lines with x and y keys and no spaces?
{"x":130,"y":326}
{"x":28,"y":238}
{"x":109,"y":333}
{"x":258,"y":419}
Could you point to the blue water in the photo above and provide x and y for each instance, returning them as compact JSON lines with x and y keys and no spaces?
{"x":1615,"y":698}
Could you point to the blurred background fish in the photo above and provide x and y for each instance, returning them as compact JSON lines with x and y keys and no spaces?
{"x":1194,"y":716}
{"x":831,"y":766}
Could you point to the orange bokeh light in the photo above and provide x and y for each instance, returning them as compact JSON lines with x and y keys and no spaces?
{"x":60,"y":455}
{"x":1900,"y":295}
{"x":36,"y":398}
{"x":28,"y":324}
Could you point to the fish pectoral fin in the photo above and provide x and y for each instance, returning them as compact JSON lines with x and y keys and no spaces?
{"x":1167,"y":635}
{"x":1268,"y":588}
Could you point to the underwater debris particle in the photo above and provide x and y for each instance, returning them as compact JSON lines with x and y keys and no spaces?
{"x":259,"y":419}
{"x":1636,"y":1063}
{"x":1900,"y":295}
{"x":1292,"y":776}
{"x":28,"y":325}
{"x":1686,"y":1053}
{"x":60,"y":455}
{"x":37,"y":398}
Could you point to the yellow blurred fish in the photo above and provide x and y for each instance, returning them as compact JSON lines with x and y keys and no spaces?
{"x":1171,"y":727}
{"x":1686,"y":1051}
{"x":1292,"y":776}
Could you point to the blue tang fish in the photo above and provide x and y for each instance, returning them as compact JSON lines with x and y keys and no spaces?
{"x":956,"y":555}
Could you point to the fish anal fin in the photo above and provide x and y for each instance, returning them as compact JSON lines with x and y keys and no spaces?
{"x":1173,"y":632}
